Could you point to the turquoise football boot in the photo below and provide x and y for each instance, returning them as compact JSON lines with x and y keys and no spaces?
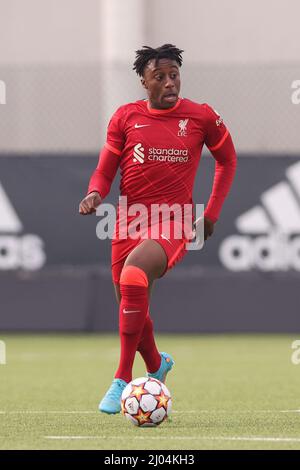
{"x":111,"y":402}
{"x":166,"y":365}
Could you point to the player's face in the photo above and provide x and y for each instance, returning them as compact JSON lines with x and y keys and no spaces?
{"x":162,"y":82}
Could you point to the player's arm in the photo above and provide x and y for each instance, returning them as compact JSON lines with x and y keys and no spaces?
{"x":219,"y":142}
{"x":105,"y":172}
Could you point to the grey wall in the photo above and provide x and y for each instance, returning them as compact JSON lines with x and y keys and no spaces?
{"x":67,"y":66}
{"x":231,"y":32}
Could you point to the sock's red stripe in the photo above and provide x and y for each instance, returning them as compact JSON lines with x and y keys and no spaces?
{"x":134,"y":276}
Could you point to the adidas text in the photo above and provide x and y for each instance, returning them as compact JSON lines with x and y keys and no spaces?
{"x":274,"y":252}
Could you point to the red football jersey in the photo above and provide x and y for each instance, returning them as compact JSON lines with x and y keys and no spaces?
{"x":160,"y":150}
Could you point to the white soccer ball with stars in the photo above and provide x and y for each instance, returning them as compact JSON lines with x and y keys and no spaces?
{"x":146,"y":402}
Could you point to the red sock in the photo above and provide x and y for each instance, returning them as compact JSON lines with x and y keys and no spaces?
{"x":132,"y":315}
{"x":147,"y":347}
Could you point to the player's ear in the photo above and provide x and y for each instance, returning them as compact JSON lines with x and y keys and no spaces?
{"x":143,"y":82}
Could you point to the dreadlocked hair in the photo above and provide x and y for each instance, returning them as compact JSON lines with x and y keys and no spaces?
{"x":167,"y":51}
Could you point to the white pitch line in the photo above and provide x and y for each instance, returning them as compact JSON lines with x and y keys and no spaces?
{"x":174,"y":411}
{"x":290,"y":411}
{"x":181,"y":438}
{"x":76,"y":437}
{"x":47,"y":412}
{"x":236,"y":411}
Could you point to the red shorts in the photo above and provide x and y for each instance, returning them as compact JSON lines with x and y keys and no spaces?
{"x":175,"y":249}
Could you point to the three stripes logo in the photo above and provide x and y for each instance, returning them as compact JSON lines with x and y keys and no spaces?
{"x":17,"y":250}
{"x":138,"y":153}
{"x":270,"y":232}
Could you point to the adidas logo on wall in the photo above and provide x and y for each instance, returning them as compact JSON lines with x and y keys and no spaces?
{"x":17,"y":250}
{"x":270,"y":232}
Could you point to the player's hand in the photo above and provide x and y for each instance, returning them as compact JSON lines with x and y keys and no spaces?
{"x":208,"y":228}
{"x":90,"y":203}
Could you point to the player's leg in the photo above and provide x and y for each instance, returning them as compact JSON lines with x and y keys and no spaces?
{"x":147,"y":346}
{"x":145,"y":263}
{"x":175,"y":248}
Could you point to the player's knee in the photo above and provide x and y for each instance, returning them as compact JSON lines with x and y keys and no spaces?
{"x":133,"y":276}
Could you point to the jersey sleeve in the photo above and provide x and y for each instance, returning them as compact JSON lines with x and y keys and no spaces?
{"x":103,"y":176}
{"x":225,"y":168}
{"x":115,"y":138}
{"x":215,"y":129}
{"x":108,"y":163}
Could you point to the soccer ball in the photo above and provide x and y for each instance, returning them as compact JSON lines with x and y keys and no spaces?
{"x":146,"y":402}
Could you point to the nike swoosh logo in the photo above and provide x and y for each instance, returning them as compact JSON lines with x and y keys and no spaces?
{"x":165,"y":238}
{"x":141,"y":125}
{"x":130,"y":311}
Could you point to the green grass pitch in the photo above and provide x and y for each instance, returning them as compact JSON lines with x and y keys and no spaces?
{"x":229,"y":392}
